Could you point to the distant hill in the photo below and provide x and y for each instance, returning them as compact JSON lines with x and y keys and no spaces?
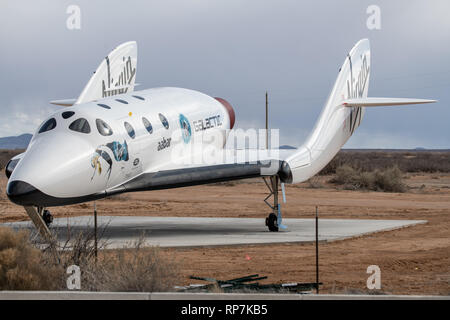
{"x":15,"y":142}
{"x":287,"y":147}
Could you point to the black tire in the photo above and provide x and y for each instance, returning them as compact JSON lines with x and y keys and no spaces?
{"x":47,"y":217}
{"x":272,"y":222}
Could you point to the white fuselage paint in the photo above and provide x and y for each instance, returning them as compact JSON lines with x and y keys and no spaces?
{"x":59,"y":162}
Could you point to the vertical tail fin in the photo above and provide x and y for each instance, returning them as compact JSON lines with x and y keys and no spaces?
{"x":341,"y":115}
{"x":116,"y":74}
{"x":336,"y":123}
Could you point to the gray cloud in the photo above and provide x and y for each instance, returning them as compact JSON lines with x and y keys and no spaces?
{"x":237,"y":50}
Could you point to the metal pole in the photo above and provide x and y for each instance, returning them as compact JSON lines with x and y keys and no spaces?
{"x":317,"y":251}
{"x":95,"y":230}
{"x":267,"y":121}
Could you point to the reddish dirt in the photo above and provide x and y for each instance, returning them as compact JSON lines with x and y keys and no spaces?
{"x":414,"y":260}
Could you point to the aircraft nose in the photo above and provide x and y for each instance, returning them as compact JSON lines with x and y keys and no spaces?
{"x":22,"y":193}
{"x":55,"y":170}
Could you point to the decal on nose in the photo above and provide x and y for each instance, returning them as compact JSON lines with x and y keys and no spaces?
{"x":22,"y":193}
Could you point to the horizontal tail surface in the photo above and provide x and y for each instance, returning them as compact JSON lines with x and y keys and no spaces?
{"x":382,"y":102}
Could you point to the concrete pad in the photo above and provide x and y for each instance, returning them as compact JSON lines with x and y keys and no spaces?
{"x":122,"y":231}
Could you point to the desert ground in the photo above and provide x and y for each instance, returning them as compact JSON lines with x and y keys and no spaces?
{"x":413,"y":260}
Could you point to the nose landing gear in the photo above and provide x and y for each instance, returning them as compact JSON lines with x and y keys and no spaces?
{"x":47,"y":217}
{"x":41,"y":218}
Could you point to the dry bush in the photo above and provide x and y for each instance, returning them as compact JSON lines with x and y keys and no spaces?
{"x":406,"y":161}
{"x":138,"y":269}
{"x":314,"y":182}
{"x":351,"y":178}
{"x":388,"y":180}
{"x":22,"y":266}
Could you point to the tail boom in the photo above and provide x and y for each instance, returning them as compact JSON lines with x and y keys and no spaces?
{"x":341,"y":115}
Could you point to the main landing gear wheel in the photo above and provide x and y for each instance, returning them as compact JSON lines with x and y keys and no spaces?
{"x":272,"y":222}
{"x":47,"y":217}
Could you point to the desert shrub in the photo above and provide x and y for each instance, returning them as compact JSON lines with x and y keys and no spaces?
{"x":388,"y":180}
{"x":22,"y":266}
{"x":344,"y":174}
{"x":406,"y":161}
{"x":137,"y":269}
{"x":314,"y":182}
{"x":349,"y":177}
{"x":367,"y":180}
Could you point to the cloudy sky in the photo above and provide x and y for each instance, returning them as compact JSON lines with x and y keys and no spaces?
{"x":237,"y":49}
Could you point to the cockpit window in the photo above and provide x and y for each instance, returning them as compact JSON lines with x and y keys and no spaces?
{"x":147,"y":125}
{"x":129,"y":129}
{"x":122,"y":101}
{"x":48,"y":125}
{"x":67,"y":114}
{"x":164,"y":121}
{"x":139,"y":97}
{"x":103,"y":128}
{"x":80,"y":125}
{"x":103,"y":105}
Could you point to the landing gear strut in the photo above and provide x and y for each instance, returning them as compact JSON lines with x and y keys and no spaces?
{"x":273,"y":221}
{"x":41,"y":218}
